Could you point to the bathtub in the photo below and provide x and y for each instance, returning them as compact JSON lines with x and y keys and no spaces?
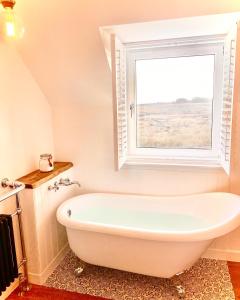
{"x":157,"y":236}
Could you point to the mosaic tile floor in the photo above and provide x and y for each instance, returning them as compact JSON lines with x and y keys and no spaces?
{"x":207,"y":280}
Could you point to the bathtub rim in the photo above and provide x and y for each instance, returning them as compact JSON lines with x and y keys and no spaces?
{"x":208,"y":233}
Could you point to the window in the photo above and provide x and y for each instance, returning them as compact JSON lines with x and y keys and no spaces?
{"x":174,"y":101}
{"x":172,"y":96}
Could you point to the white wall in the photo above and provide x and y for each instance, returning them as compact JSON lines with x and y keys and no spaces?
{"x":46,"y":240}
{"x":25,"y":117}
{"x":25,"y":121}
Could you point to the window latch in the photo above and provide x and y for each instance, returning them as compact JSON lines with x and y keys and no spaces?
{"x":132,"y":106}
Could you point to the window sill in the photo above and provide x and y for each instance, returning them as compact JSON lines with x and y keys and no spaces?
{"x":153,"y":163}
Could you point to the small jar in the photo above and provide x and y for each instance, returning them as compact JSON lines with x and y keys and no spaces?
{"x":46,"y":162}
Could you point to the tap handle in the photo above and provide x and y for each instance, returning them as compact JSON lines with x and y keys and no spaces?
{"x":64,"y":181}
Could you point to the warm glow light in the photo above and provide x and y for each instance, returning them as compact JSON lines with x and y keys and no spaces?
{"x":9,"y":22}
{"x":12,"y":26}
{"x":10,"y":29}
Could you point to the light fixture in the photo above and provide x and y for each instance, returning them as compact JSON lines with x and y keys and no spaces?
{"x":11,"y":25}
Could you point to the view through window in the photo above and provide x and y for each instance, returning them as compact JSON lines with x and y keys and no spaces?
{"x":174,"y":100}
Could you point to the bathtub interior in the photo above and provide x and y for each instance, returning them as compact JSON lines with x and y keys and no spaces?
{"x":186,"y":213}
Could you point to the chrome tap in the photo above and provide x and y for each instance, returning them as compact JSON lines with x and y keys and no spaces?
{"x":54,"y":187}
{"x":62,"y":182}
{"x":5,"y":182}
{"x":67,"y":181}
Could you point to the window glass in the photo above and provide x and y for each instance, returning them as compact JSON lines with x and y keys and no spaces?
{"x":174,"y":100}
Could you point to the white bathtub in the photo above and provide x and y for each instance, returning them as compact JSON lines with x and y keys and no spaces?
{"x":158,"y":236}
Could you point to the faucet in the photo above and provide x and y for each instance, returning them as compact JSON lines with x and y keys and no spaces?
{"x":54,"y":187}
{"x":5,"y":182}
{"x":62,"y":182}
{"x":67,"y":181}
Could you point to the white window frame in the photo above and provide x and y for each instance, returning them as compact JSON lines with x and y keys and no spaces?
{"x":154,"y":156}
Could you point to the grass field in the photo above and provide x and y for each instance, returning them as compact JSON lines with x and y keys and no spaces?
{"x":174,"y":125}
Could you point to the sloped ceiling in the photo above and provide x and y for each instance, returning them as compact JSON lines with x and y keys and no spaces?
{"x":62,"y":46}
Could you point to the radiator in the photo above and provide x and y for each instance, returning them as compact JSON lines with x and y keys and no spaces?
{"x":8,"y":259}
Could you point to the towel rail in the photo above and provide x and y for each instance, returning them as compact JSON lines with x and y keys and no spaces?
{"x":12,"y":188}
{"x":15,"y":214}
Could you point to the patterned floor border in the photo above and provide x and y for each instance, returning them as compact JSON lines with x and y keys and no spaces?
{"x":207,"y":280}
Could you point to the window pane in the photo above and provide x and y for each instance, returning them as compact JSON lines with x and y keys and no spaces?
{"x":174,"y":102}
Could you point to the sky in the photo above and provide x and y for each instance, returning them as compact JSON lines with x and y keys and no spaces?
{"x":165,"y":80}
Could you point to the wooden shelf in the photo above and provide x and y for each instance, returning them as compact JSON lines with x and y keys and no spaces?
{"x":36,"y":178}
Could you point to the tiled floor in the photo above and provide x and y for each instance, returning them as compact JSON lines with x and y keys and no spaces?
{"x":45,"y":293}
{"x":208,"y":279}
